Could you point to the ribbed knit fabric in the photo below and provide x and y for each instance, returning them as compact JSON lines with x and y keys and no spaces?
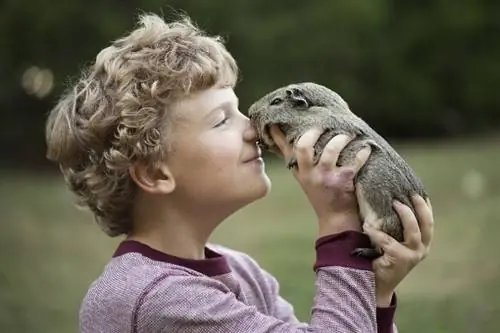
{"x":143,"y":290}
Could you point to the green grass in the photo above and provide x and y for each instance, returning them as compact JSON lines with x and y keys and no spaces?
{"x":50,"y":252}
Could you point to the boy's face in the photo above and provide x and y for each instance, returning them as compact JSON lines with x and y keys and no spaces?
{"x":214,"y":157}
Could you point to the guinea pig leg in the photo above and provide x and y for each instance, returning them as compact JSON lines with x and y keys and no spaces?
{"x":369,"y":253}
{"x":369,"y":217}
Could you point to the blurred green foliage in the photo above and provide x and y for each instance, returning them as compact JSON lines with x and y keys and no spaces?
{"x":412,"y":69}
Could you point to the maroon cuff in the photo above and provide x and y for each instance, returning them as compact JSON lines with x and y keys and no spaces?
{"x":335,"y":250}
{"x":385,"y":317}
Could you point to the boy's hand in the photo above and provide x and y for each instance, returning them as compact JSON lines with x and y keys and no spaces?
{"x":400,"y":258}
{"x":328,"y":187}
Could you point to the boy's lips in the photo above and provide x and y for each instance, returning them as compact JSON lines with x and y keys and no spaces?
{"x":254,"y":157}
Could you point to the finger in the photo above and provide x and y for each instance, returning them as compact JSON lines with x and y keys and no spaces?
{"x":429,"y":205}
{"x":411,"y":231}
{"x":393,"y":250}
{"x":384,"y":241}
{"x":279,"y":139}
{"x":425,"y":217}
{"x":360,"y":159}
{"x":346,"y":175}
{"x":304,"y":148}
{"x":332,"y":151}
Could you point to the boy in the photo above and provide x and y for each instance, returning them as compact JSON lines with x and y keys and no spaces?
{"x":152,"y":141}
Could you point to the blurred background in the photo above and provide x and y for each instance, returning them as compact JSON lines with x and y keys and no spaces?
{"x":424,"y":74}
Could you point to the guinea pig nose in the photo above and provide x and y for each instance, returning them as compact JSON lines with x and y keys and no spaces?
{"x":300,"y":102}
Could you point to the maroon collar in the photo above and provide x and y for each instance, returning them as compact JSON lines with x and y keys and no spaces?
{"x":214,"y":264}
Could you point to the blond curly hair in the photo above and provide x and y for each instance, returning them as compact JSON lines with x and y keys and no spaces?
{"x":116,"y":112}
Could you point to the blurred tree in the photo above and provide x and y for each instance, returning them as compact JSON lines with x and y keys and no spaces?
{"x":411,"y":69}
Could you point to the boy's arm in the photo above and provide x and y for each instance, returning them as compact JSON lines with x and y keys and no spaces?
{"x":344,"y":300}
{"x":283,"y":310}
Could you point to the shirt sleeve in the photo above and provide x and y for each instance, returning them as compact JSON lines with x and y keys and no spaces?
{"x":283,"y":310}
{"x":385,"y":317}
{"x":344,"y":300}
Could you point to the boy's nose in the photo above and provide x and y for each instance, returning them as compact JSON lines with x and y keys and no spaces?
{"x":250,"y":132}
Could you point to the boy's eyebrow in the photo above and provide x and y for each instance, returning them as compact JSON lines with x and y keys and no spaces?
{"x":222,"y":105}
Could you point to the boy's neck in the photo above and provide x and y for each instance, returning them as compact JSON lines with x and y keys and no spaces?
{"x":179,"y":245}
{"x":173,"y":229}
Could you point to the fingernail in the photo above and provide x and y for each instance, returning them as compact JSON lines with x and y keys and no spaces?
{"x":397,"y":203}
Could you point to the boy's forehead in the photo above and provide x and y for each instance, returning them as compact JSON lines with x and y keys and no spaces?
{"x":202,"y":103}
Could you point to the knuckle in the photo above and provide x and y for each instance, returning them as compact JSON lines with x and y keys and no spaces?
{"x":326,"y":160}
{"x":387,"y":240}
{"x":325,"y":163}
{"x":328,"y":157}
{"x":331,"y":149}
{"x":346,"y":174}
{"x":419,"y":255}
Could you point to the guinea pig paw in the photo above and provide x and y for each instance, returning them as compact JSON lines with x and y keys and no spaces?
{"x":368,"y":253}
{"x":292,"y":163}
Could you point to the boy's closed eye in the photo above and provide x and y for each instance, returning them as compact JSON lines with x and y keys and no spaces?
{"x":222,"y":122}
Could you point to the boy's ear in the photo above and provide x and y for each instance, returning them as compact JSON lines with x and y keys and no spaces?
{"x":151,"y":179}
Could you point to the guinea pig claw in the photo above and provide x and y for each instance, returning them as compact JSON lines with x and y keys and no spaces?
{"x":292,"y":163}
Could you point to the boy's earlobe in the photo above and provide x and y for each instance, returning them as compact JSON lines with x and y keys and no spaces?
{"x":152,"y":180}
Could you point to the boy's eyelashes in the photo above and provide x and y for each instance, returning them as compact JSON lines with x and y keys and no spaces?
{"x":222,"y":122}
{"x":226,"y":115}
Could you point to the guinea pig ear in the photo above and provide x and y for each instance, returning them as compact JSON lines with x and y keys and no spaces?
{"x":296,"y":98}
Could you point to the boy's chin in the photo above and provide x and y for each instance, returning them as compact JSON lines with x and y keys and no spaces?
{"x":259,"y":189}
{"x":264,"y":189}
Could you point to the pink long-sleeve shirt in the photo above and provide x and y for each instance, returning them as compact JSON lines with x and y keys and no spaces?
{"x":143,"y":290}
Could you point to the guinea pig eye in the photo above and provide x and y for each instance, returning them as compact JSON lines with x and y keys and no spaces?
{"x":276,"y":101}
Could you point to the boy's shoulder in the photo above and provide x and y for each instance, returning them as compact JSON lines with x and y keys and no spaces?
{"x":134,"y":272}
{"x":237,"y":259}
{"x":132,"y":281}
{"x":231,"y":253}
{"x":119,"y":287}
{"x":126,"y":277}
{"x":247,"y":270}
